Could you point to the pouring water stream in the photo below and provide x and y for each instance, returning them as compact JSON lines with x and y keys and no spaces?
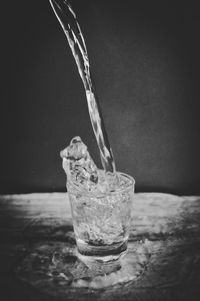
{"x":72,"y":30}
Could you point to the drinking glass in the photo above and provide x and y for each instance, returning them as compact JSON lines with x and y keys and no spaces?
{"x":101,"y":222}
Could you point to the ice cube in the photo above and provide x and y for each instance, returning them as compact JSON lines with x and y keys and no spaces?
{"x":78,"y":164}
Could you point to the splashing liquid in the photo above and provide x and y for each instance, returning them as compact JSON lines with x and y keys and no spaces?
{"x":72,"y":30}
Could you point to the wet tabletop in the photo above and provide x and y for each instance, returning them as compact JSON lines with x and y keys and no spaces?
{"x":37,"y":236}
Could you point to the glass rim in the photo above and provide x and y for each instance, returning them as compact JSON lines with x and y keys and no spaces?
{"x":75,"y":189}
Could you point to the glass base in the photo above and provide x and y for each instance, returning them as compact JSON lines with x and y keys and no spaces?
{"x":101,"y":251}
{"x":102,"y":265}
{"x":102,"y":259}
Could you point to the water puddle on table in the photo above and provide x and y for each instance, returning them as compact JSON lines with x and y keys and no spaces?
{"x":54,"y":268}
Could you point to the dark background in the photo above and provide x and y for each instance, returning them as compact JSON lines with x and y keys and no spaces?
{"x":145,"y":62}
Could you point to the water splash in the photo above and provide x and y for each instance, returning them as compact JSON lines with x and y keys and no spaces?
{"x":72,"y":30}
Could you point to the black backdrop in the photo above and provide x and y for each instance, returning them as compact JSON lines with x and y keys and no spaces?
{"x":145,"y":62}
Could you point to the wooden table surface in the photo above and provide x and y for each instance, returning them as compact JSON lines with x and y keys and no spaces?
{"x":169,"y":225}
